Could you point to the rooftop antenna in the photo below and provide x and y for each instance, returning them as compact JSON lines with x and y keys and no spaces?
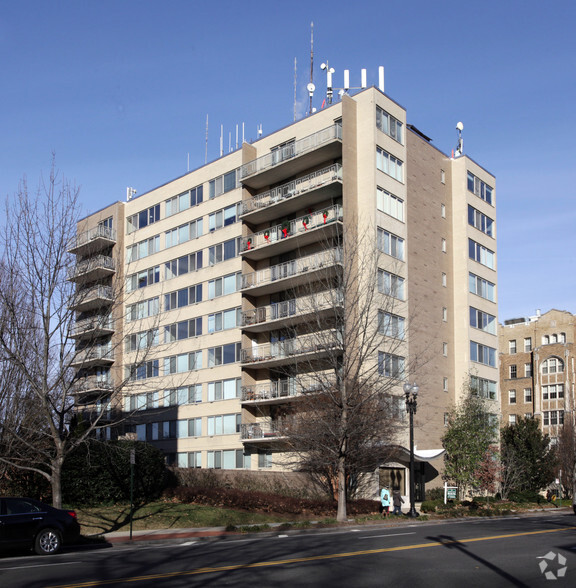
{"x":460,"y":146}
{"x":130,"y":193}
{"x":329,"y":72}
{"x":295,"y":89}
{"x":259,"y":129}
{"x":311,"y":87}
{"x":206,"y":148}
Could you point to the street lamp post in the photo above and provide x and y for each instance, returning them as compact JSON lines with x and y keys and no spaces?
{"x":411,"y":393}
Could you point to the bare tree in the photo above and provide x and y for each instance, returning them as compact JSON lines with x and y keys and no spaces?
{"x":349,"y":359}
{"x":41,"y":361}
{"x":566,"y":455}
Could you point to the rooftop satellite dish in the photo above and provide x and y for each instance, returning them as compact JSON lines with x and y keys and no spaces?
{"x":460,"y":126}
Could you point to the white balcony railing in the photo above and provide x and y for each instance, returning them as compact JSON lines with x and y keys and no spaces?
{"x":95,"y":323}
{"x":281,"y":389}
{"x":94,"y":234}
{"x":99,"y":262}
{"x":86,"y":296}
{"x":296,"y":187}
{"x":291,"y":150}
{"x":291,"y":228}
{"x":295,"y":267}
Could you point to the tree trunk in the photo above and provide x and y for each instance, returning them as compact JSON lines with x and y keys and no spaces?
{"x":342,"y":515}
{"x":56,"y":481}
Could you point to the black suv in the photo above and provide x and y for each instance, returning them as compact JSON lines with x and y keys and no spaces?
{"x":28,"y":522}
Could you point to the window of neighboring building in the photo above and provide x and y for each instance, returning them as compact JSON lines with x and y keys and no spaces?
{"x":552,"y":392}
{"x":552,"y":417}
{"x":527,"y":370}
{"x":283,"y":151}
{"x":512,"y":346}
{"x":552,"y":365}
{"x":479,"y":188}
{"x":389,"y":164}
{"x":390,"y":325}
{"x":389,"y":124}
{"x":143,"y":218}
{"x":511,"y":419}
{"x":482,"y":287}
{"x":511,"y":396}
{"x":390,"y":244}
{"x":390,"y":284}
{"x":391,"y":366}
{"x":443,"y":245}
{"x":482,"y":320}
{"x":480,"y":221}
{"x":527,"y":394}
{"x":527,"y":344}
{"x":481,"y":254}
{"x":512,"y":372}
{"x":484,"y":388}
{"x":390,"y":204}
{"x":444,"y":314}
{"x":142,"y":340}
{"x":183,"y":395}
{"x":482,"y":354}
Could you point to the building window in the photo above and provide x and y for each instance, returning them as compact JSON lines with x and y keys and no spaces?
{"x":527,"y":394}
{"x":527,"y":344}
{"x":185,"y":362}
{"x":224,"y":389}
{"x":264,"y":458}
{"x":443,"y":210}
{"x":444,"y":314}
{"x":552,"y":365}
{"x":226,"y":319}
{"x":511,"y":419}
{"x":143,"y":249}
{"x":482,"y":354}
{"x":223,"y":184}
{"x":142,"y":279}
{"x":389,"y":164}
{"x":390,"y":204}
{"x":148,"y":369}
{"x":445,"y":384}
{"x":388,"y":124}
{"x":482,"y":320}
{"x":445,"y":349}
{"x":142,"y":340}
{"x":184,"y":201}
{"x":527,"y":370}
{"x":553,"y":417}
{"x":391,"y":366}
{"x":183,"y":395}
{"x":142,"y":310}
{"x":143,"y":219}
{"x":190,"y":459}
{"x":390,"y":284}
{"x":480,"y":221}
{"x":481,"y":254}
{"x":390,"y":244}
{"x":444,"y":280}
{"x":442,"y":177}
{"x":224,"y":424}
{"x":223,"y":218}
{"x":225,"y":285}
{"x":228,"y":459}
{"x":482,"y":287}
{"x":390,"y":325}
{"x":511,"y":396}
{"x":223,"y":354}
{"x":444,"y":245}
{"x":183,"y":297}
{"x":183,"y":265}
{"x":223,"y":251}
{"x":479,"y":188}
{"x":513,"y":372}
{"x":484,"y":388}
{"x":183,"y":330}
{"x":553,"y":392}
{"x":183,"y":233}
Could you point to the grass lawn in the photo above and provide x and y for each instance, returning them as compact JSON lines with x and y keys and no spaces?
{"x":166,"y":515}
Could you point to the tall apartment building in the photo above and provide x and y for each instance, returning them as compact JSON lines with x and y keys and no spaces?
{"x":537,"y":369}
{"x":209,"y":268}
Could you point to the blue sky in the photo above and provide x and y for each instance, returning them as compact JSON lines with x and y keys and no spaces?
{"x":120,"y":91}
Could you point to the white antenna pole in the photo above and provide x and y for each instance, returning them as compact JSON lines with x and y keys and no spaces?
{"x":236,"y":136}
{"x":188,"y":168}
{"x":242,"y":132}
{"x":363,"y":84}
{"x":221,"y":140}
{"x":311,"y":63}
{"x":381,"y":78}
{"x":206,"y":148}
{"x":346,"y":79}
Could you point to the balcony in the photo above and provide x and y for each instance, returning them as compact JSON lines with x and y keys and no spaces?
{"x":306,"y":348}
{"x":290,"y":312}
{"x":304,"y":192}
{"x":93,"y":240}
{"x":294,"y":234}
{"x":93,"y":356}
{"x":92,"y":269}
{"x":293,"y":158}
{"x":89,"y":389}
{"x":96,"y":326}
{"x":290,"y":274}
{"x":92,"y":298}
{"x":279,"y":392}
{"x":269,"y":431}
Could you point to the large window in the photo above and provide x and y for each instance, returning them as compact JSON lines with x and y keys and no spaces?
{"x":228,"y":459}
{"x":142,"y":309}
{"x":183,"y":330}
{"x":391,"y":325}
{"x":552,"y":365}
{"x":143,"y":218}
{"x":388,"y":124}
{"x":183,"y":395}
{"x":185,"y":362}
{"x":223,"y":184}
{"x":389,"y":164}
{"x":478,"y":187}
{"x":553,"y":392}
{"x":482,"y":320}
{"x":183,"y":265}
{"x":482,"y":287}
{"x":553,"y":417}
{"x":183,"y":297}
{"x":225,"y":424}
{"x":224,"y":389}
{"x":189,"y":459}
{"x":184,"y":201}
{"x":148,"y":369}
{"x":391,"y":366}
{"x":482,"y":354}
{"x":223,"y":218}
{"x":143,"y":249}
{"x":223,"y":251}
{"x":184,"y":233}
{"x":480,"y":221}
{"x":225,"y":285}
{"x":390,"y":204}
{"x":481,"y":254}
{"x":142,"y":340}
{"x":390,"y":244}
{"x":390,"y":284}
{"x":143,"y":278}
{"x":223,"y":354}
{"x":484,"y":388}
{"x":226,"y":319}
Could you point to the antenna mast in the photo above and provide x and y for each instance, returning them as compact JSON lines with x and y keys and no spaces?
{"x":311,"y":85}
{"x":295,"y":79}
{"x":206,"y":148}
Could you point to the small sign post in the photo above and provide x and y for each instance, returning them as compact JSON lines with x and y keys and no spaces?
{"x":450,"y":492}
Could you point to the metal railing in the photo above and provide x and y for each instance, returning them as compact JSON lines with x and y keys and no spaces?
{"x":260,"y":430}
{"x":94,"y":263}
{"x":98,"y":232}
{"x":93,"y":323}
{"x":296,"y":187}
{"x":95,"y":293}
{"x":291,"y":150}
{"x":292,"y":268}
{"x":291,"y":228}
{"x":280,"y":389}
{"x":94,"y":354}
{"x":91,"y":384}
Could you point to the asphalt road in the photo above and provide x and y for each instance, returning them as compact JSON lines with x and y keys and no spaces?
{"x":465,"y":553}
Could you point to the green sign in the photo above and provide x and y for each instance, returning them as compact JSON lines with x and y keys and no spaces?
{"x":451,"y":493}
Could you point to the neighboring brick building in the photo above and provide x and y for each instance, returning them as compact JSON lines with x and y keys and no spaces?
{"x":537,"y":369}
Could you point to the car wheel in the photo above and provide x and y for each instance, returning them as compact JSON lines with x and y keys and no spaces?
{"x":47,"y":542}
